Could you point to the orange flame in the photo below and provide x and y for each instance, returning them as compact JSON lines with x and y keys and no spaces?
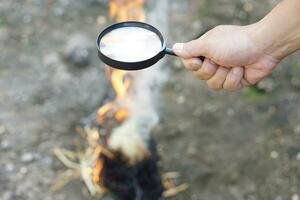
{"x":123,"y":10}
{"x":98,"y":166}
{"x":120,"y":10}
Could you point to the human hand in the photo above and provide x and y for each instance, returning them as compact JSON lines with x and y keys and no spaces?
{"x":234,"y":57}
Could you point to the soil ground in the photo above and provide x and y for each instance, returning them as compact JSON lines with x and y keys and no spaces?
{"x":242,"y":146}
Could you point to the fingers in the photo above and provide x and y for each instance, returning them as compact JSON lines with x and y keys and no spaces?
{"x":217,"y":80}
{"x":207,"y":70}
{"x":192,"y":64}
{"x":217,"y":77}
{"x":245,"y":82}
{"x":234,"y":78}
{"x":202,"y":70}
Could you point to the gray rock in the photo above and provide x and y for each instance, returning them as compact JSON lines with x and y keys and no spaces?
{"x":295,"y":197}
{"x":27,"y":157}
{"x":5,"y":144}
{"x":23,"y":170}
{"x":268,"y":85}
{"x":298,"y":156}
{"x":77,"y":50}
{"x":8,"y":195}
{"x":278,"y":198}
{"x":9,"y":167}
{"x":46,"y":160}
{"x":101,"y":20}
{"x":180,"y":99}
{"x":297,"y":130}
{"x":2,"y":130}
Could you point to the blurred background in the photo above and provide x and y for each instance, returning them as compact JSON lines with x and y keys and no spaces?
{"x":229,"y":146}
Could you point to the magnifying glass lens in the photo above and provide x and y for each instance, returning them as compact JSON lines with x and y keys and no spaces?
{"x":130,"y":44}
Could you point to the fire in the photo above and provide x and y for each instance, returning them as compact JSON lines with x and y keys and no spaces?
{"x":91,"y":162}
{"x":123,"y":10}
{"x":98,"y":166}
{"x":120,"y":85}
{"x":120,"y":10}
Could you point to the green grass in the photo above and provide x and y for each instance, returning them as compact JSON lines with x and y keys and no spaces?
{"x":254,"y":92}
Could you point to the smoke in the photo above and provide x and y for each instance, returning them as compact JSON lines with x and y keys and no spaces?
{"x":132,"y":137}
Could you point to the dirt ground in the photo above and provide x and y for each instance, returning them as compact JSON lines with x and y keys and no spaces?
{"x":227,"y":146}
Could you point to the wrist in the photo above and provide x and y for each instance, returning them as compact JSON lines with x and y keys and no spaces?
{"x":269,"y":41}
{"x":278,"y":34}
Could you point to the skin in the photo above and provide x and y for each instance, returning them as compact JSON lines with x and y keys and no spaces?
{"x":238,"y":56}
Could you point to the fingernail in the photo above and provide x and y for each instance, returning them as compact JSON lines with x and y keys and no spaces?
{"x":178,"y":47}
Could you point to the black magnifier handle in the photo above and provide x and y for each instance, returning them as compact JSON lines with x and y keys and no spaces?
{"x":170,"y":51}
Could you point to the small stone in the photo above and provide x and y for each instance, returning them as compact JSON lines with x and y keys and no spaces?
{"x":298,"y":156}
{"x":180,"y":100}
{"x":197,"y":25}
{"x":23,"y":170}
{"x":5,"y":145}
{"x":268,"y":85}
{"x":248,"y":7}
{"x":274,"y":154}
{"x":77,"y":51}
{"x":27,"y":157}
{"x":230,"y":112}
{"x":9,"y":167}
{"x":7,"y":195}
{"x":101,"y":20}
{"x":2,"y":130}
{"x":295,"y":197}
{"x":297,"y":129}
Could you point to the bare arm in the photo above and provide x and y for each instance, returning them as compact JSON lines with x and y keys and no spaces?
{"x":238,"y":56}
{"x":279,"y":31}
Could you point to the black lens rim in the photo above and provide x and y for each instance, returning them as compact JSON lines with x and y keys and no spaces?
{"x":131,"y":66}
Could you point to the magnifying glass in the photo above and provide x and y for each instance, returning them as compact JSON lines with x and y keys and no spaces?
{"x":132,"y":46}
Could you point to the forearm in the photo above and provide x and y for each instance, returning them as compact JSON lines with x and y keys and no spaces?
{"x":278,"y":33}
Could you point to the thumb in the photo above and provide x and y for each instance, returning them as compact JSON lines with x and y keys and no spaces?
{"x":194,"y":48}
